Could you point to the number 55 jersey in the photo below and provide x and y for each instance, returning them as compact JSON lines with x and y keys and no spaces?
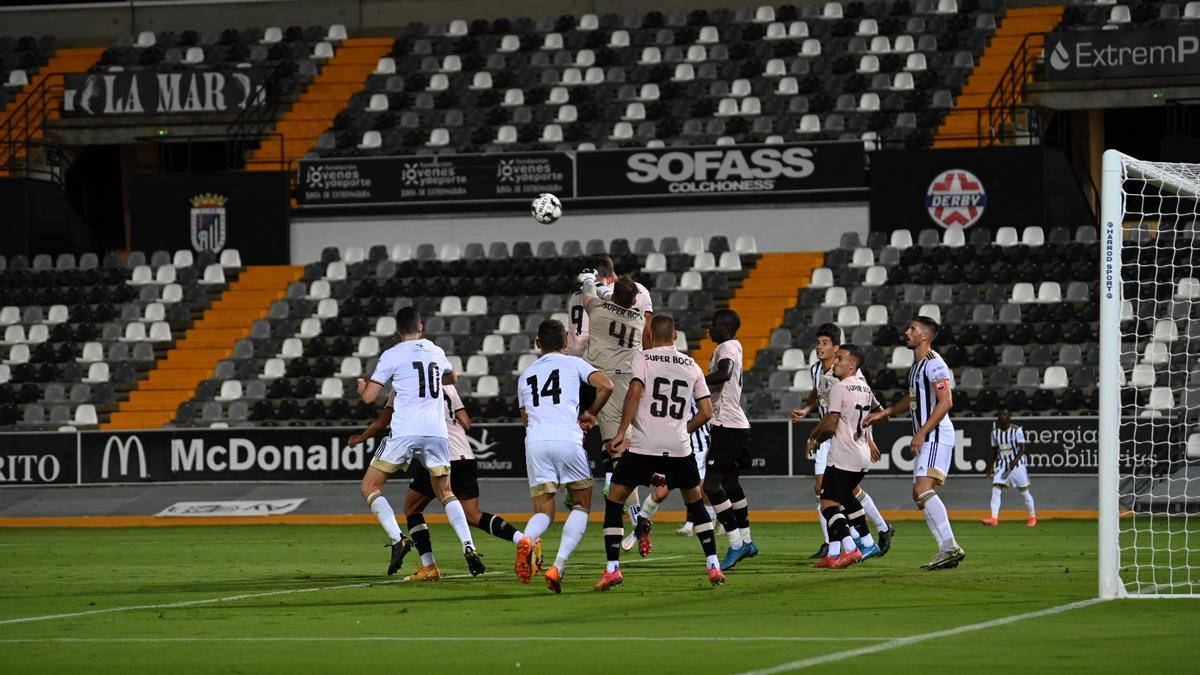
{"x":670,"y":381}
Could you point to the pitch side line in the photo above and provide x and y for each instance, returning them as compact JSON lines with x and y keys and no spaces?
{"x":474,"y":638}
{"x":916,"y":639}
{"x":249,"y":596}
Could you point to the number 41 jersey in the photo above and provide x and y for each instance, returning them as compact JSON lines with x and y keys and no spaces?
{"x":549,"y":395}
{"x":415,"y":369}
{"x":670,"y":382}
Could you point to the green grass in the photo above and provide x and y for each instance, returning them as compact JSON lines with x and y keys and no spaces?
{"x":1008,"y":571}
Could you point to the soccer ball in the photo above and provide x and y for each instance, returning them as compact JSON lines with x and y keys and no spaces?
{"x":546,"y":208}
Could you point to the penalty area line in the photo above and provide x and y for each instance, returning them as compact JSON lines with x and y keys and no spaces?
{"x":251,"y":596}
{"x":916,"y":639}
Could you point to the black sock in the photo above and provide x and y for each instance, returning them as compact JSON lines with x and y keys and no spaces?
{"x":419,"y":531}
{"x":839,"y":529}
{"x":720,"y":504}
{"x":856,"y":516}
{"x":737,"y":497}
{"x":496,"y":526}
{"x":614,"y":530}
{"x":702,"y":526}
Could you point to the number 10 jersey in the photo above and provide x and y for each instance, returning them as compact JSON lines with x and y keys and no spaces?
{"x":415,"y":369}
{"x":670,"y":382}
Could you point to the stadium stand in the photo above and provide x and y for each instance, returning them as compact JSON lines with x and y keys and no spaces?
{"x":881,"y":71}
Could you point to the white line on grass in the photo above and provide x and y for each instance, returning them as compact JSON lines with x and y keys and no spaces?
{"x":249,"y":596}
{"x":454,"y":638}
{"x":914,"y":639}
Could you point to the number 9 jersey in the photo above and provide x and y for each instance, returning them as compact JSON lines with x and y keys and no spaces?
{"x":415,"y":369}
{"x":670,"y":382}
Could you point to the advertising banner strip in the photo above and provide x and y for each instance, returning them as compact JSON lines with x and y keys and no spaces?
{"x":152,"y":93}
{"x":1094,"y":55}
{"x":261,"y":508}
{"x":435,"y":179}
{"x":600,"y":174}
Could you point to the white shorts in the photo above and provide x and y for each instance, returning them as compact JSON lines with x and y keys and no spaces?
{"x":821,"y":458}
{"x":1015,"y":478}
{"x":934,"y":461}
{"x":555,"y":464}
{"x":610,"y":415}
{"x":700,"y":463}
{"x":398,"y":452}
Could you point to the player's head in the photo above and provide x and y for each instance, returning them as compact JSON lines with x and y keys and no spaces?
{"x":408,"y":323}
{"x":551,"y":336}
{"x":847,"y":361}
{"x":625,"y":291}
{"x":829,"y":336}
{"x":921,"y":331}
{"x":603,"y":264}
{"x":662,"y":331}
{"x":725,"y":325}
{"x":1003,"y":418}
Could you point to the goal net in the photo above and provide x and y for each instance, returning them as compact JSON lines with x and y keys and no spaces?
{"x":1149,"y":379}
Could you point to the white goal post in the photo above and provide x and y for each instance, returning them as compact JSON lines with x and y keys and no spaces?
{"x":1149,"y":399}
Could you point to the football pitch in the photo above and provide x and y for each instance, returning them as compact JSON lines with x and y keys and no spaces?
{"x":292,"y":598}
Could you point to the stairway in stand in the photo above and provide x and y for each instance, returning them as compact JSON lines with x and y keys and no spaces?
{"x":343,"y":76}
{"x":961,"y":126}
{"x":771,"y":288}
{"x":194,"y":358}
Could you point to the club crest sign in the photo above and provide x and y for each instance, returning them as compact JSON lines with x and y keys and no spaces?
{"x":208,"y":222}
{"x":956,"y":198}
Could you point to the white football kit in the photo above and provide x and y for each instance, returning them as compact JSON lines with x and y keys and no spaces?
{"x":549,"y":395}
{"x":414,"y":368}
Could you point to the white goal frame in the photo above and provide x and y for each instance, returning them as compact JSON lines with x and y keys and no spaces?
{"x":1116,"y":168}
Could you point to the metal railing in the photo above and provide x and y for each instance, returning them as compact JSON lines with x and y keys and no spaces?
{"x":1005,"y":101}
{"x":22,"y":123}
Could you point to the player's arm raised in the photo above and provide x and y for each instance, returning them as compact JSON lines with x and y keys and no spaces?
{"x":377,"y":426}
{"x":590,"y":294}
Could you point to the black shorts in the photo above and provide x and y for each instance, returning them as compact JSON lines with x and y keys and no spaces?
{"x":839,"y":484}
{"x":729,"y":451}
{"x":464,"y":479}
{"x":634,"y":469}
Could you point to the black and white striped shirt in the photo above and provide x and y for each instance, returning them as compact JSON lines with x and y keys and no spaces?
{"x":700,"y":437}
{"x":924,"y":379}
{"x":1007,"y":443}
{"x":823,"y":380}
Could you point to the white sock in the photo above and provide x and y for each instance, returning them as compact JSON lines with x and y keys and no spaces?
{"x":735,"y":535}
{"x":387,"y":518}
{"x":996,"y":501}
{"x":872,"y":511}
{"x":865,"y":537}
{"x":612,"y":566}
{"x":1029,"y":503}
{"x":824,"y":525}
{"x":835,"y":549}
{"x":712,"y":513}
{"x":517,"y":537}
{"x":687,"y":525}
{"x":458,"y":520}
{"x":537,"y":526}
{"x":572,"y":533}
{"x":746,"y":534}
{"x":712,"y":561}
{"x":607,"y":480}
{"x":427,"y":559}
{"x":933,"y":528}
{"x":935,"y":512}
{"x":650,"y":507}
{"x":848,"y":544}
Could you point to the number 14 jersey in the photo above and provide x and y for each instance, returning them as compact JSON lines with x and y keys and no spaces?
{"x":549,"y":395}
{"x":670,"y":381}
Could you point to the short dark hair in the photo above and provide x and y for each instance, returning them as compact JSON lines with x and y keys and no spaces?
{"x":662,"y":326}
{"x":552,"y":334}
{"x":855,"y":352}
{"x":928,"y":322}
{"x":602,"y":264}
{"x":408,"y":321}
{"x":831,"y":331}
{"x":625,"y":291}
{"x":728,"y":318}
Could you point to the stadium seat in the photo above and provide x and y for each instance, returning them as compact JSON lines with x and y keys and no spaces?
{"x":877,"y":315}
{"x":1162,"y":400}
{"x":954,"y":237}
{"x":231,"y":390}
{"x":1156,"y":353}
{"x":1007,"y":236}
{"x":835,"y":296}
{"x":1049,"y":292}
{"x":863,"y":257}
{"x":822,"y":277}
{"x":1023,"y":293}
{"x":932,"y":311}
{"x":331,"y":388}
{"x":1142,"y":376}
{"x":97,"y":373}
{"x":802,"y":382}
{"x":793,"y":359}
{"x":1055,"y":377}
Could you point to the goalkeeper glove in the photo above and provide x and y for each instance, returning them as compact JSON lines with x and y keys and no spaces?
{"x":587,"y":275}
